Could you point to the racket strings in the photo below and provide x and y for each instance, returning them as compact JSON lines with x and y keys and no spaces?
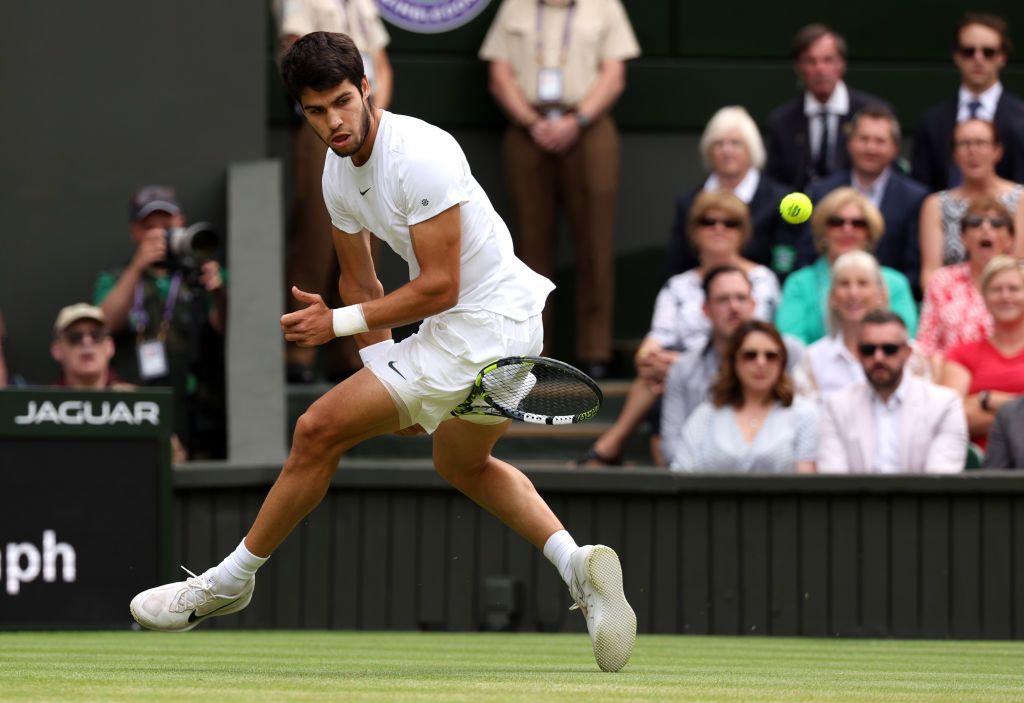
{"x":539,"y":389}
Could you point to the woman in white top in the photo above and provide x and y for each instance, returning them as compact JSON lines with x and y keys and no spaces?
{"x":976,"y":151}
{"x":719,"y":225}
{"x":752,"y":423}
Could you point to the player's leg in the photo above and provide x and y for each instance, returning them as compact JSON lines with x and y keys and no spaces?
{"x":355,"y":410}
{"x":462,"y":455}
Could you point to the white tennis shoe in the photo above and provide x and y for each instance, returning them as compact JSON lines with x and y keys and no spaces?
{"x":596,"y":587}
{"x":178,"y":607}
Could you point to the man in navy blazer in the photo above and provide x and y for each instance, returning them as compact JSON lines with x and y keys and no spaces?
{"x":980,"y":52}
{"x":873,"y":145}
{"x":797,"y":129}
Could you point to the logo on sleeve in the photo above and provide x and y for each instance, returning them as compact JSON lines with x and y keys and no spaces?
{"x":424,"y":202}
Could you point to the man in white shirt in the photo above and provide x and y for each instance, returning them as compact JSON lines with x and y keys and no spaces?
{"x":895,"y":422}
{"x":409,"y":184}
{"x":982,"y":46}
{"x":804,"y":135}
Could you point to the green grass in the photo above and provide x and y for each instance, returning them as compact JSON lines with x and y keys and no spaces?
{"x":318,"y":666}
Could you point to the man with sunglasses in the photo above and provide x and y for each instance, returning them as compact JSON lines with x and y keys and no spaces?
{"x":84,"y":349}
{"x":980,"y":51}
{"x":894,"y":422}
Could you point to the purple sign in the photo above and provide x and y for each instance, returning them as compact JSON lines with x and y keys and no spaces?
{"x":430,"y":16}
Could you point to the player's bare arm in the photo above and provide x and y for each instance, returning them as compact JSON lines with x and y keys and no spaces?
{"x":436,"y":243}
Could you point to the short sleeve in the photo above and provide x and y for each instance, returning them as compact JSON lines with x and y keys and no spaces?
{"x":294,"y":17}
{"x":962,"y":354}
{"x":432,"y":178}
{"x":340,"y":218}
{"x":806,"y":429}
{"x":620,"y":42}
{"x":105,"y":283}
{"x":377,"y":36}
{"x":495,"y":46}
{"x":663,"y":321}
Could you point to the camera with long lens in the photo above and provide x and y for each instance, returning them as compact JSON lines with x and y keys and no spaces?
{"x":188,"y":247}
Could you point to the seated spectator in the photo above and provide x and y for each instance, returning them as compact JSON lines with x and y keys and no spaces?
{"x":843,"y":221}
{"x":892,"y":422}
{"x":954,"y":311}
{"x":727,"y":304}
{"x":733,"y":153}
{"x":989,"y":373}
{"x":83,"y":348}
{"x":976,"y":151}
{"x":752,"y":423}
{"x":1006,"y":438}
{"x":874,"y":145}
{"x":719,"y":223}
{"x":167,"y":316}
{"x":832,"y":363}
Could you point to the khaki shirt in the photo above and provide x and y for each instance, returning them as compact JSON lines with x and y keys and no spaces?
{"x":356,"y":18}
{"x":600,"y":31}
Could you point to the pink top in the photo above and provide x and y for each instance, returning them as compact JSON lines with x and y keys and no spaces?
{"x":989,"y":369}
{"x":953,"y":312}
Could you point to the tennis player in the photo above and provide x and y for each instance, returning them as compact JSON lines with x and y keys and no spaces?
{"x":409,"y":184}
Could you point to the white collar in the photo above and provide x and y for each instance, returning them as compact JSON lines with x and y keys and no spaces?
{"x":989,"y":99}
{"x":897,"y":397}
{"x":839,"y":350}
{"x":837,"y":104}
{"x":744,"y":190}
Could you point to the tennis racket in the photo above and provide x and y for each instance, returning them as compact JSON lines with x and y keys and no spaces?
{"x":533,"y":389}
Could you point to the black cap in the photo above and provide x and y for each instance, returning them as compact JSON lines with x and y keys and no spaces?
{"x":149,"y":199}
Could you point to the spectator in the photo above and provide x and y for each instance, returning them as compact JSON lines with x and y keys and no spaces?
{"x":954,"y":310}
{"x":891,"y":422}
{"x":556,"y":69}
{"x":873,"y":144}
{"x":310,"y":262}
{"x":728,"y":303}
{"x":980,"y":50}
{"x":804,"y":142}
{"x":752,"y":423}
{"x":989,"y":373}
{"x":843,"y":221}
{"x":976,"y":151}
{"x":1006,"y":438}
{"x":733,"y":153}
{"x":718,"y":225}
{"x":83,"y":347}
{"x":167,"y":316}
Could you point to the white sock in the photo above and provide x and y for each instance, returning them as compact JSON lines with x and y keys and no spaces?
{"x":237,"y":569}
{"x":558,"y":549}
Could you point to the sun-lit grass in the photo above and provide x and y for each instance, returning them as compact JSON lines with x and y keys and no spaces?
{"x":354,"y":666}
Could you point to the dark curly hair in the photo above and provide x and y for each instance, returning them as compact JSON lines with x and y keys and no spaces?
{"x":727,"y":389}
{"x":321,"y":60}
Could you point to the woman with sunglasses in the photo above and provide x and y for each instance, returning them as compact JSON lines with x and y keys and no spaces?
{"x":989,"y":372}
{"x":843,"y":221}
{"x":954,"y":310}
{"x":733,"y":154}
{"x":752,"y":422}
{"x":832,"y":362}
{"x":719,"y":225}
{"x":976,"y":151}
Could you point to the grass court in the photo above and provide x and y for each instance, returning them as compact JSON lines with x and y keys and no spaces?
{"x":369,"y":666}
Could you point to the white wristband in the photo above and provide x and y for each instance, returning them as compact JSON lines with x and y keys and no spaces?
{"x":349,"y":320}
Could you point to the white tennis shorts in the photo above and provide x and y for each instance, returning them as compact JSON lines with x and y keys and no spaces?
{"x":431,"y":372}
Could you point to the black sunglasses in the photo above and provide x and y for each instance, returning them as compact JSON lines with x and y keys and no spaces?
{"x":979,"y":220}
{"x":76,"y":337}
{"x":752,"y":354}
{"x":856,"y":222}
{"x":968,"y":52}
{"x":712,"y":221}
{"x":887,"y":349}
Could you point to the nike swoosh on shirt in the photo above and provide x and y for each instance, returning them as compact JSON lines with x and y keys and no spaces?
{"x":395,"y":369}
{"x":364,"y":192}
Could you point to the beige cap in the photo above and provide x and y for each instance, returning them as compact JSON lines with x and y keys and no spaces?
{"x":79,"y":311}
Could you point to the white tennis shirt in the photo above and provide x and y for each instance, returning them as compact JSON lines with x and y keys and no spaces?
{"x":417,"y":171}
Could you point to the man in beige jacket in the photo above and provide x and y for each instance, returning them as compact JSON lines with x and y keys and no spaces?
{"x":896,"y":422}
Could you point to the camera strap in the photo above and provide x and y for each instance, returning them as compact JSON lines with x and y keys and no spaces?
{"x":141,"y":318}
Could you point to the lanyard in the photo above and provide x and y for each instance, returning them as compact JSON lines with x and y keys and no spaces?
{"x":566,"y":30}
{"x":140,"y":317}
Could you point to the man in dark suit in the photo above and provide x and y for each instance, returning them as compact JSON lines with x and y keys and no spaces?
{"x":980,"y":52}
{"x":873,"y":145}
{"x":1006,"y":438}
{"x":805,"y":134}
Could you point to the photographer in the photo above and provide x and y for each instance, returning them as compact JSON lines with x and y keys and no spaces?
{"x":166,"y":310}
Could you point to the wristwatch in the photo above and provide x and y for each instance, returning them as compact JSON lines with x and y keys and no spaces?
{"x":583,"y":120}
{"x":983,"y":400}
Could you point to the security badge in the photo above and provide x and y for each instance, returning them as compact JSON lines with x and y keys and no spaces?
{"x":152,"y":359}
{"x":550,"y":85}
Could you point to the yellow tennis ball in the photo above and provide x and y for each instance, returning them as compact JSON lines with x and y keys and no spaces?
{"x":796,"y":208}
